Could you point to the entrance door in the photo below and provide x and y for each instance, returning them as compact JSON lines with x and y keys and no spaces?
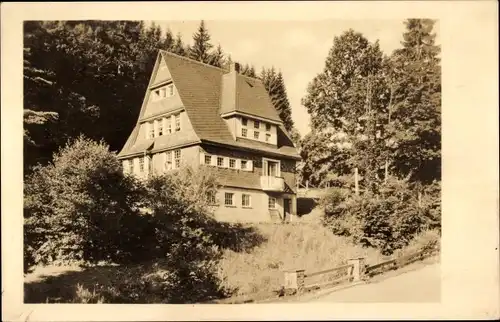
{"x":286,"y":209}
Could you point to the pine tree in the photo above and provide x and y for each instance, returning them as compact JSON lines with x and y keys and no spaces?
{"x":178,"y":47}
{"x":169,"y":41}
{"x":416,"y":114}
{"x":200,"y":50}
{"x":275,"y":86}
{"x":217,"y":57}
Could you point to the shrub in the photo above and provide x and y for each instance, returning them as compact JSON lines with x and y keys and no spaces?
{"x":81,"y":208}
{"x":387,"y":218}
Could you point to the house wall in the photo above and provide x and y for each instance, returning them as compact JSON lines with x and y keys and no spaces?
{"x":257,"y":212}
{"x":189,"y":156}
{"x":287,"y":166}
{"x":235,"y":125}
{"x":169,"y":117}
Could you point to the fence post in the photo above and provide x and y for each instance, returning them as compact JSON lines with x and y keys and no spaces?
{"x":358,"y":269}
{"x":294,"y":281}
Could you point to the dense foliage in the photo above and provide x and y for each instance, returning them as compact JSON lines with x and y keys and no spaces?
{"x":81,"y":208}
{"x":378,"y":115}
{"x":388,"y":219}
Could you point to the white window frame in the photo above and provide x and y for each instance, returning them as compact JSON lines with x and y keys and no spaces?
{"x":205,"y":159}
{"x":160,"y":127}
{"x":177,"y":118}
{"x":256,"y":124}
{"x":151,"y":130}
{"x":168,"y":122}
{"x":244,"y":121}
{"x":244,"y":132}
{"x":268,"y":137}
{"x":243,"y":200}
{"x":219,"y":158}
{"x":273,"y":203}
{"x":264,"y":167}
{"x":141,"y":164}
{"x":243,"y":164}
{"x":168,"y":165}
{"x":177,"y":158}
{"x":234,"y":165}
{"x":163,"y":92}
{"x":131,"y":165}
{"x":268,"y":127}
{"x":230,"y":194}
{"x":258,"y":135}
{"x":212,"y":198}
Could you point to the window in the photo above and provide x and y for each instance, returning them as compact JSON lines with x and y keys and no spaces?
{"x":208,"y":159}
{"x":131,"y":162}
{"x":245,"y":200}
{"x":244,"y":121}
{"x":151,"y":130}
{"x":220,"y":161}
{"x":232,"y":163}
{"x":268,"y":127}
{"x":168,"y":160}
{"x":141,"y":164}
{"x":256,"y":124}
{"x":177,"y":158}
{"x":272,"y":203}
{"x":244,"y":133}
{"x":256,"y":135}
{"x":163,"y":92}
{"x":160,"y":127}
{"x":268,"y":137}
{"x":168,"y":120}
{"x":177,"y":122}
{"x":212,"y":198}
{"x":229,"y":199}
{"x":243,"y":164}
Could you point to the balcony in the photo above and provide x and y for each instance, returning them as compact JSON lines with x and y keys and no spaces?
{"x":271,"y":183}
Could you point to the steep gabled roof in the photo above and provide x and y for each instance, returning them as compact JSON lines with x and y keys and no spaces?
{"x":202,"y":91}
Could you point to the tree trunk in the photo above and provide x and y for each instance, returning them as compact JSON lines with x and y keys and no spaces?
{"x":356,"y":185}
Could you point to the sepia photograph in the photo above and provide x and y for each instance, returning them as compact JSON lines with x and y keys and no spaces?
{"x":224,"y":161}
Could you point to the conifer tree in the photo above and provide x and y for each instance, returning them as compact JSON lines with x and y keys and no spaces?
{"x":275,"y":86}
{"x":416,"y":114}
{"x":217,"y":57}
{"x":200,"y":50}
{"x":178,"y":47}
{"x":169,"y":41}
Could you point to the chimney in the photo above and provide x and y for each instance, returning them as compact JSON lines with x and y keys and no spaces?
{"x":234,"y":67}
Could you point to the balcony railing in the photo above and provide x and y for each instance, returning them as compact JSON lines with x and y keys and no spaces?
{"x":270,"y":183}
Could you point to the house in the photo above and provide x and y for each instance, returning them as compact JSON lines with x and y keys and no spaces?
{"x":197,"y":114}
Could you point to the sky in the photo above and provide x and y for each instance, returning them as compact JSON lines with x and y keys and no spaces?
{"x":297,"y":48}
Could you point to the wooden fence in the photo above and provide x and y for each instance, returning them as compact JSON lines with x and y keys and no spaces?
{"x":354,"y":271}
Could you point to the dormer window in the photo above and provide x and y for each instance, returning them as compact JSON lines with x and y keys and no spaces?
{"x":163,"y":92}
{"x":244,"y":121}
{"x":256,"y":124}
{"x":268,"y":127}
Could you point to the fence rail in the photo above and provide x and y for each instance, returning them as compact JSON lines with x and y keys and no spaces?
{"x":356,"y":271}
{"x":329,"y":270}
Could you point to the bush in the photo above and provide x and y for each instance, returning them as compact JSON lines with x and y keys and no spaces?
{"x":388,"y":218}
{"x":81,"y":208}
